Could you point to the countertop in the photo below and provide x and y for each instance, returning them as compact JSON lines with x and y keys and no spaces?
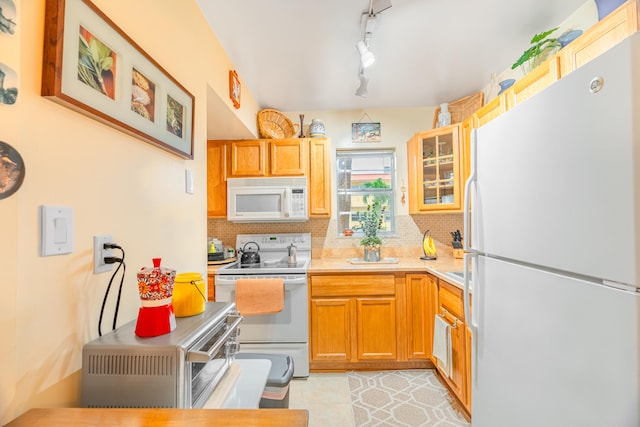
{"x":76,"y":417}
{"x":438,"y":267}
{"x":340,"y":264}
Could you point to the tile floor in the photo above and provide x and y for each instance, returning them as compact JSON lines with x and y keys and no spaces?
{"x":327,"y":397}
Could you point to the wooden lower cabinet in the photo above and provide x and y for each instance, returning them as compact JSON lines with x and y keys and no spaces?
{"x":364,"y":321}
{"x":451,"y":308}
{"x":376,"y":328}
{"x":331,"y":329}
{"x":211,"y":287}
{"x":422,"y":301}
{"x":457,"y":380}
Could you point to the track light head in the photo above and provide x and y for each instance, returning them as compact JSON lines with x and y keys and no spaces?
{"x":362,"y":89}
{"x":367,"y":58}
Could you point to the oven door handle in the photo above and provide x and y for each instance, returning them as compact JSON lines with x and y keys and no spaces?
{"x":289,"y":283}
{"x":292,"y":283}
{"x":206,"y":356}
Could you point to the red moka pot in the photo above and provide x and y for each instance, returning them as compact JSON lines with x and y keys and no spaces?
{"x":155,"y":285}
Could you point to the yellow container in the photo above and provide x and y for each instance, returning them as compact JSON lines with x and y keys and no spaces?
{"x":188,"y":294}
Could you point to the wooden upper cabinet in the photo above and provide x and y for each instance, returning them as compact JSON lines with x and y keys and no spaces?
{"x":288,"y":157}
{"x":310,"y":157}
{"x":538,"y":79}
{"x":490,"y":110}
{"x":216,"y":179}
{"x":248,"y":158}
{"x":434,"y":170}
{"x":465,"y":141}
{"x":268,"y":157}
{"x":320,"y":178}
{"x":611,"y":30}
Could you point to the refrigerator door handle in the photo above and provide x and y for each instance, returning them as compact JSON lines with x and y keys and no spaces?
{"x":469,"y":318}
{"x":467,"y":193}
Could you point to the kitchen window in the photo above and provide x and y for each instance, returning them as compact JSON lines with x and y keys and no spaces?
{"x":365,"y":177}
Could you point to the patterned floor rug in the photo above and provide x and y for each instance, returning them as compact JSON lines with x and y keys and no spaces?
{"x":407,"y":398}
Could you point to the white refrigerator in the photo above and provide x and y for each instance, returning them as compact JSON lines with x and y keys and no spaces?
{"x":553,"y":211}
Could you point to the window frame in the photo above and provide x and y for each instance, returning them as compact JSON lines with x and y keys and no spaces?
{"x":391,"y":211}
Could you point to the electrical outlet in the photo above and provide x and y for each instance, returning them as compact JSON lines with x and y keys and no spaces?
{"x":99,"y":253}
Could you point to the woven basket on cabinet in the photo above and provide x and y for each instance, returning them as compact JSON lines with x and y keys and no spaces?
{"x":461,"y":108}
{"x":275,"y":125}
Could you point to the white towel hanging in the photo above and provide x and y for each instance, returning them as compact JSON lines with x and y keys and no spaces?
{"x":442,"y":345}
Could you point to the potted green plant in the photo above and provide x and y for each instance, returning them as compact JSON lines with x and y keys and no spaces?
{"x":542,"y":46}
{"x":371,"y":221}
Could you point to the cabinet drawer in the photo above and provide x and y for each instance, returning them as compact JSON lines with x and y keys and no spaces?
{"x":450,"y":298}
{"x":356,"y":285}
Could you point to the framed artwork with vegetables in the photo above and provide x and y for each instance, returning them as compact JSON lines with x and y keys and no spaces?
{"x":91,"y":66}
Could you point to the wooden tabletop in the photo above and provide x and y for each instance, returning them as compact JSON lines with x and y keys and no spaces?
{"x":75,"y":417}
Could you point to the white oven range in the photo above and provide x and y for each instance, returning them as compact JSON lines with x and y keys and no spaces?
{"x":286,"y":332}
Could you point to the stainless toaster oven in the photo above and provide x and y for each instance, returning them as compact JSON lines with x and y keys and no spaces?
{"x":176,"y":370}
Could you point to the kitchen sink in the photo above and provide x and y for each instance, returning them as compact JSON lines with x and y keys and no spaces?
{"x":458,"y":275}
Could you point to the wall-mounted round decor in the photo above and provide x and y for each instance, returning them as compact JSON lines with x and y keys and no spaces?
{"x":11,"y":170}
{"x":8,"y":19}
{"x":8,"y":85}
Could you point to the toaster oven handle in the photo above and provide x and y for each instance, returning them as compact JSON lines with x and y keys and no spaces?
{"x":205,"y":356}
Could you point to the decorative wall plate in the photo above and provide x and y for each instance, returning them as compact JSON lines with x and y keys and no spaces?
{"x":11,"y":170}
{"x":8,"y":19}
{"x":8,"y":85}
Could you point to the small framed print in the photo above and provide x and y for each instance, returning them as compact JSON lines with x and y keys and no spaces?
{"x":365,"y":132}
{"x":234,"y":88}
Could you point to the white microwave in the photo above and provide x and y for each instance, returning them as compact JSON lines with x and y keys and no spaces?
{"x":267,"y":199}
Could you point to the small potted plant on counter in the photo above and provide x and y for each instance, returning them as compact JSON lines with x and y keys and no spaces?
{"x":371,"y":221}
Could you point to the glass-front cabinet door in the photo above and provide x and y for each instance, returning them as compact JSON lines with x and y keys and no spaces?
{"x":435,"y":183}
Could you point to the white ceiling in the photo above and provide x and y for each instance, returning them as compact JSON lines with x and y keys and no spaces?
{"x":297,"y":55}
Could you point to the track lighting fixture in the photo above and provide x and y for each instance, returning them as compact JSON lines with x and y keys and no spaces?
{"x":367,"y":58}
{"x":364,"y":82}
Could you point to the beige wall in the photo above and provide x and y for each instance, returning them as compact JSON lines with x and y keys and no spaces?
{"x":116,"y":184}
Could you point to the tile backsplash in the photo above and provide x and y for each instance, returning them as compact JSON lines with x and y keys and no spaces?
{"x":325,"y":239}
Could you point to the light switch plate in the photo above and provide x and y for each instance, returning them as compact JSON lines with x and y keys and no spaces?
{"x":188,"y":181}
{"x":56,"y":230}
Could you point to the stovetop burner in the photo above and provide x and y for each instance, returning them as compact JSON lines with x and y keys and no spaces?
{"x":250,"y":265}
{"x":274,"y":255}
{"x":274,"y":264}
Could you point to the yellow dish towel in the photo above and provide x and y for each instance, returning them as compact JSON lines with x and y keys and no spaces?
{"x":442,"y":344}
{"x":259,"y":296}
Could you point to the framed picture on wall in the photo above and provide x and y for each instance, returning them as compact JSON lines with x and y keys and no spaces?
{"x":234,"y":88}
{"x":91,"y":66}
{"x":365,"y":132}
